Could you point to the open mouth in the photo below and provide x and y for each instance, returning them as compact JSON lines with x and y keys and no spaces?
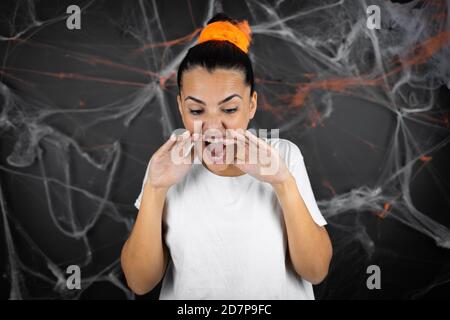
{"x":215,"y":148}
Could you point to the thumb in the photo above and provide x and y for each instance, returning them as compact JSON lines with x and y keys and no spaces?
{"x":169,"y":143}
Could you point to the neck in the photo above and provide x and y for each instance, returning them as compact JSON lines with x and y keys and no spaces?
{"x":230,"y":171}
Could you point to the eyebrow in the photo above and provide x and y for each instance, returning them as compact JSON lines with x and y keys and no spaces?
{"x":221,"y":102}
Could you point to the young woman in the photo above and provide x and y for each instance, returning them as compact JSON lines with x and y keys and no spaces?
{"x":219,"y":229}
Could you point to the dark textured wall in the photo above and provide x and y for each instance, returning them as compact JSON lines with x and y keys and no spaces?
{"x":82,"y":111}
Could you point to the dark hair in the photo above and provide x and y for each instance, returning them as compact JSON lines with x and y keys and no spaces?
{"x":214,"y":54}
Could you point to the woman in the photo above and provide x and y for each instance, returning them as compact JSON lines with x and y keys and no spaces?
{"x":218,"y":229}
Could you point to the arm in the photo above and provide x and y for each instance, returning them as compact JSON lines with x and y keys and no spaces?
{"x":144,"y":256}
{"x":309,"y":244}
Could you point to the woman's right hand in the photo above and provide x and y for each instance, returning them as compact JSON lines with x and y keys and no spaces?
{"x":167,"y":165}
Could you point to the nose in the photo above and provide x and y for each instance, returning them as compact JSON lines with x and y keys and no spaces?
{"x":213,"y":127}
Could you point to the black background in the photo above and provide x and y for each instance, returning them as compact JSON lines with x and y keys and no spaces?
{"x":82,"y":111}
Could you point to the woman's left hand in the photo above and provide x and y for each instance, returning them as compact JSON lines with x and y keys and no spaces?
{"x":257,"y":158}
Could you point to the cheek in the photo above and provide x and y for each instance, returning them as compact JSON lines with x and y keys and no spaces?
{"x":242,"y":118}
{"x":188,"y":122}
{"x":231,"y":121}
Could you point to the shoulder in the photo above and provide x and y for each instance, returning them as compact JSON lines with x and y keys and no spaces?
{"x":287,"y":149}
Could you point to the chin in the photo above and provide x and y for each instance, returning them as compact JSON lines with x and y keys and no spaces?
{"x":217,"y":168}
{"x":215,"y":165}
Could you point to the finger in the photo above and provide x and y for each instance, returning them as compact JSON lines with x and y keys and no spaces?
{"x":252,"y":138}
{"x":228,"y":141}
{"x":256,"y":140}
{"x":241,"y":156}
{"x":173,"y":139}
{"x":265,"y":150}
{"x":240,"y":141}
{"x":169,"y":143}
{"x":184,"y":144}
{"x":196,"y":137}
{"x":181,"y":150}
{"x":183,"y":136}
{"x":188,"y":148}
{"x":253,"y":146}
{"x":250,"y":154}
{"x":237,"y":136}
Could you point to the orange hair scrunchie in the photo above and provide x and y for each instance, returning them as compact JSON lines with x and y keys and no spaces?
{"x":239,"y":35}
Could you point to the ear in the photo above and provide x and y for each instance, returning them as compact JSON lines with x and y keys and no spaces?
{"x":179,"y":104}
{"x":253,"y":104}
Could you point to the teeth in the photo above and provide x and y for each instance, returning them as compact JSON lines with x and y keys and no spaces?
{"x":214,"y":140}
{"x":219,"y":140}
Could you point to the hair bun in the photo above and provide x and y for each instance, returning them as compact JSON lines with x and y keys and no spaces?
{"x":238,"y":33}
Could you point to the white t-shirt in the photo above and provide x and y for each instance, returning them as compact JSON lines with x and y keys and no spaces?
{"x":227,"y":238}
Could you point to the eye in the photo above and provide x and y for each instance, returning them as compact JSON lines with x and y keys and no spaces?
{"x":230,"y":110}
{"x":196,"y":112}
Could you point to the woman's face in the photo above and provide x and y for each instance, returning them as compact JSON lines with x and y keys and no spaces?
{"x":215,"y":101}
